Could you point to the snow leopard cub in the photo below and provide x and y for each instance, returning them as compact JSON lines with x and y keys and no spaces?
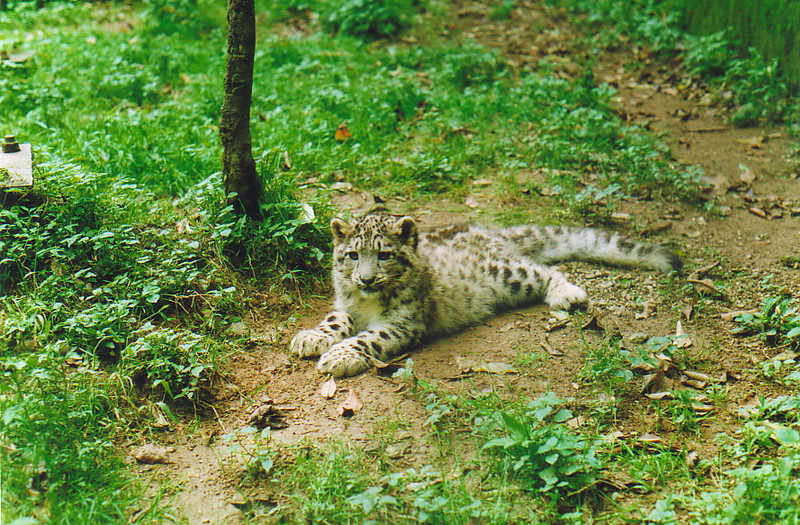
{"x":396,"y":286}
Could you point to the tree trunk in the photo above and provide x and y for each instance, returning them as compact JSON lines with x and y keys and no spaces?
{"x":238,"y":167}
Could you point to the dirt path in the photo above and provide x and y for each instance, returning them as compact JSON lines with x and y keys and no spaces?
{"x":748,"y":233}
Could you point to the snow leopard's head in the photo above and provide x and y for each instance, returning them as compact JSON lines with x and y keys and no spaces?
{"x":373,"y":253}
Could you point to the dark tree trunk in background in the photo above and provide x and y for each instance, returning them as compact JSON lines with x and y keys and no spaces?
{"x":238,"y":166}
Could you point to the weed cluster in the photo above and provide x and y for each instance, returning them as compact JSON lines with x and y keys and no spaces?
{"x":755,"y":88}
{"x":778,"y":323}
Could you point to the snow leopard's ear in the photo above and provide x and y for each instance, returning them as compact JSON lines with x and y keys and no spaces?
{"x":341,"y":230}
{"x":406,"y":230}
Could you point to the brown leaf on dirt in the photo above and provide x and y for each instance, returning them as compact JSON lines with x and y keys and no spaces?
{"x":549,"y":348}
{"x":643,"y":366}
{"x":556,"y":325}
{"x":715,"y":186}
{"x":648,"y":309}
{"x":387,"y":369}
{"x":699,"y":376}
{"x":17,"y":58}
{"x":160,"y":419}
{"x":702,"y":409}
{"x":342,"y":133}
{"x":687,"y":311}
{"x":758,"y":212}
{"x":576,"y":422}
{"x":731,"y":316}
{"x":496,"y":368}
{"x":747,"y":176}
{"x":656,"y":227}
{"x":705,"y":286}
{"x":692,"y":459}
{"x":522,"y":325}
{"x":592,"y":324}
{"x":649,"y":438}
{"x":352,"y":405}
{"x":749,"y":406}
{"x":658,"y":385}
{"x":467,"y":365}
{"x":151,"y":454}
{"x":267,"y":415}
{"x":328,"y":389}
{"x":661,"y":395}
{"x":617,"y":481}
{"x":682,"y":340}
{"x":701,"y":272}
{"x":753,"y":142}
{"x":694,"y":383}
{"x":729,"y":377}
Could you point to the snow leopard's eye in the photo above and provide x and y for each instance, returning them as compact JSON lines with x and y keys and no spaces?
{"x":382,"y":256}
{"x":353,"y":255}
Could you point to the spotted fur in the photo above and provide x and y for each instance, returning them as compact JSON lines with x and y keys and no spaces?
{"x":396,"y":285}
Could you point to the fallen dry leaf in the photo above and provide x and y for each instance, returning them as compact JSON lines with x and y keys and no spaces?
{"x":390,"y":368}
{"x":694,"y":383}
{"x":699,"y":376}
{"x":593,"y":324}
{"x":649,"y":438}
{"x":749,"y":407}
{"x":352,"y":405}
{"x":687,"y":311}
{"x":549,"y":348}
{"x":701,"y":408}
{"x":705,"y":286}
{"x":342,"y":133}
{"x":682,"y":340}
{"x":658,"y":385}
{"x":660,"y":395}
{"x":496,"y":368}
{"x":692,"y":458}
{"x":701,"y":272}
{"x":729,"y":377}
{"x":648,"y":309}
{"x":151,"y":454}
{"x":267,"y":415}
{"x":759,"y":212}
{"x":576,"y":422}
{"x":556,"y":325}
{"x":467,"y":365}
{"x":731,"y":316}
{"x":747,"y":176}
{"x":328,"y":389}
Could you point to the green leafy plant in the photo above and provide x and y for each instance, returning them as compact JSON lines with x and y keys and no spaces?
{"x":370,"y":18}
{"x":541,"y":452}
{"x":778,"y":322}
{"x":767,"y":493}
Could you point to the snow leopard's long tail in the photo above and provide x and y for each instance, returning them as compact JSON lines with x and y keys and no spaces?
{"x":552,"y":244}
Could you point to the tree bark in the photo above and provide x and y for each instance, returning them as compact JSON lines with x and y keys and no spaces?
{"x":238,"y":167}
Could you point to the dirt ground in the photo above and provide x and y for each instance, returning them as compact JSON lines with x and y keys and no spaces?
{"x":755,"y":225}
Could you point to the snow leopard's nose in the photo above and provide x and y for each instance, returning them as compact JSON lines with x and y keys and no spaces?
{"x":367,"y":281}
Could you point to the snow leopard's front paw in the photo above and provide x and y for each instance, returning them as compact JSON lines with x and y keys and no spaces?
{"x":311,"y":343}
{"x":343,"y":359}
{"x":564,"y":296}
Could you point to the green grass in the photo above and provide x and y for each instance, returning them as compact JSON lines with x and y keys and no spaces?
{"x":768,"y":26}
{"x":752,"y":83}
